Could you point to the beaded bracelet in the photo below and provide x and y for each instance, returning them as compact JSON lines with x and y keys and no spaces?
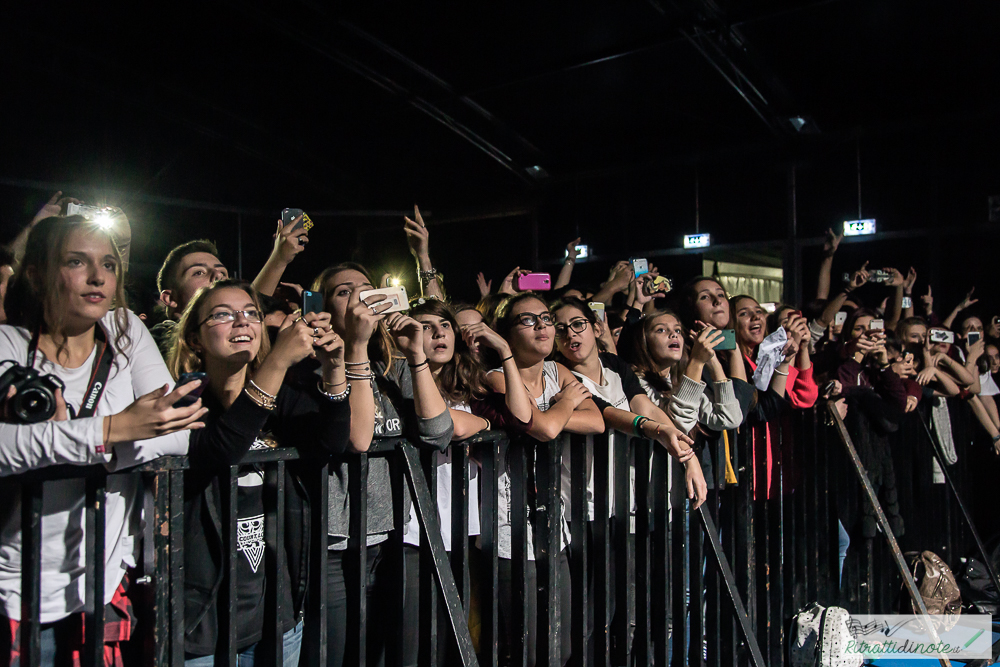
{"x":334,"y":397}
{"x":259,"y":400}
{"x":262,"y":392}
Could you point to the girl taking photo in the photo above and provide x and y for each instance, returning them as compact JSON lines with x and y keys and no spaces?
{"x":221,"y":334}
{"x":68,"y":319}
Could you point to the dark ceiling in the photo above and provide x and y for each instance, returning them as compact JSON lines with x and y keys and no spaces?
{"x":263,"y":105}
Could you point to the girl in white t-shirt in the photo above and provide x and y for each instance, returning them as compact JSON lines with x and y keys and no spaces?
{"x":60,"y":305}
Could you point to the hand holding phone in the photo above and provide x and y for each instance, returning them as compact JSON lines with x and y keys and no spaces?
{"x":194,"y":394}
{"x":540,"y":282}
{"x":289,"y":214}
{"x":312,"y":302}
{"x":394,"y":295}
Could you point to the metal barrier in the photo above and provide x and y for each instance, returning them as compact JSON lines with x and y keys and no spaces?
{"x":654,"y":583}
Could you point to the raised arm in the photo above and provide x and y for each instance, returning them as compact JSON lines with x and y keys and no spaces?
{"x":967,"y":302}
{"x":418,"y":238}
{"x":830,"y":245}
{"x":618,"y":281}
{"x":288,"y":242}
{"x":566,"y":272}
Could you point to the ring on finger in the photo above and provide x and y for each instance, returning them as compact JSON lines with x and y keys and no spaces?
{"x":316,"y":333}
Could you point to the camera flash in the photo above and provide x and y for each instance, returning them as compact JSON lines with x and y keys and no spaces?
{"x":104,"y":220}
{"x":395,"y":282}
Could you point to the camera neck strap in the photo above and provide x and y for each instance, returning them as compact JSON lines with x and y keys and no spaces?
{"x":98,"y":375}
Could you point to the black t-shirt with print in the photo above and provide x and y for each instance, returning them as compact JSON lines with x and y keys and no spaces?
{"x":250,"y":551}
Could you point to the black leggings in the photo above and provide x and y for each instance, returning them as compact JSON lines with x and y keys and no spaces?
{"x":506,"y":609}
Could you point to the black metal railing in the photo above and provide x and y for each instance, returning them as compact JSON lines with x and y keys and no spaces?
{"x":652,"y":582}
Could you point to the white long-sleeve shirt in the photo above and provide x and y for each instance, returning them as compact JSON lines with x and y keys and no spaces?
{"x":31,"y":446}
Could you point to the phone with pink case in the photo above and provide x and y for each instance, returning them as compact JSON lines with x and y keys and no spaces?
{"x":540,"y":282}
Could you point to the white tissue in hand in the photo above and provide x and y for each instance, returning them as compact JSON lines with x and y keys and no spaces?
{"x":768,"y":357}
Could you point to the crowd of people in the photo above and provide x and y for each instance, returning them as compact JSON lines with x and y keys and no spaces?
{"x":227,"y":366}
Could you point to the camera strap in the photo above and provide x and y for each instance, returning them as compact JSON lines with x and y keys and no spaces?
{"x":98,"y":374}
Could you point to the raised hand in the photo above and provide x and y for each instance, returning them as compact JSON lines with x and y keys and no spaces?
{"x":417,"y":236}
{"x":289,"y":243}
{"x":483,"y":284}
{"x":408,"y":334}
{"x":911,"y":278}
{"x":362,"y":317}
{"x":479,"y":333}
{"x":831,"y":242}
{"x":859,"y":277}
{"x":56,"y":205}
{"x":295,"y":338}
{"x":507,"y":286}
{"x":968,"y":301}
{"x":154,"y":415}
{"x":328,"y":347}
{"x":571,"y":250}
{"x":620,"y":277}
{"x":703,"y":345}
{"x":928,"y":301}
{"x":895,"y":277}
{"x":798,"y":328}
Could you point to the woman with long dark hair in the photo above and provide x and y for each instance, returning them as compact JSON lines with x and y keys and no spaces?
{"x":68,"y":319}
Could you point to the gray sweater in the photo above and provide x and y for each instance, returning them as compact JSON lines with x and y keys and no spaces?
{"x":394,"y":394}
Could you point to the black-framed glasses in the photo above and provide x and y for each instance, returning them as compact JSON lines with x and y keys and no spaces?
{"x":579,"y":325}
{"x":531,"y":319}
{"x":222,"y":316}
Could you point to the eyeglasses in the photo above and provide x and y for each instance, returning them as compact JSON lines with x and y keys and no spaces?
{"x":223,"y":316}
{"x":531,"y":319}
{"x":578,"y":325}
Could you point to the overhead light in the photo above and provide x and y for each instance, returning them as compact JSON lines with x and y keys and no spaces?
{"x":859,"y":227}
{"x":697,"y":240}
{"x":537,"y":172}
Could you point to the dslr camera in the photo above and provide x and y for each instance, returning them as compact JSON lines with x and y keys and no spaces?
{"x":35,"y":397}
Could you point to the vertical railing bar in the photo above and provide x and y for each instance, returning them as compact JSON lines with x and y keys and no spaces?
{"x":93,"y":655}
{"x":517,"y":629}
{"x":394,"y":561}
{"x":641,"y":447}
{"x":745,"y":548}
{"x":314,"y":639}
{"x":428,"y":585}
{"x":488,"y":527}
{"x":176,"y":567}
{"x":357,"y":558}
{"x":659,"y":559}
{"x":460,"y":499}
{"x":696,"y":586}
{"x":680,"y":581}
{"x":31,"y":573}
{"x":225,"y":647}
{"x":274,"y":560}
{"x":578,"y":547}
{"x":624,"y":561}
{"x":155,"y":556}
{"x":548,"y":517}
{"x":762,"y":528}
{"x":603,"y":445}
{"x":776,"y":591}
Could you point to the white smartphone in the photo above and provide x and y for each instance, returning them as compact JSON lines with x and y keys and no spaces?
{"x":840,"y":318}
{"x":598,"y":309}
{"x":394,"y":295}
{"x":876,"y":324}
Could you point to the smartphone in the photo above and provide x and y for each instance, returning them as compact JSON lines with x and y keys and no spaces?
{"x":876,"y":324}
{"x":540,"y":282}
{"x":598,"y":309}
{"x":290,"y":214}
{"x":394,"y":295}
{"x":840,"y":318}
{"x":973,"y":337}
{"x":312,"y":302}
{"x":196,"y":393}
{"x":658,"y":285}
{"x":582,"y":252}
{"x":640,"y":266}
{"x":942,"y":336}
{"x":728,"y":340}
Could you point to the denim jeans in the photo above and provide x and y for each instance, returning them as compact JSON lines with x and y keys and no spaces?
{"x":248,"y":657}
{"x":338,"y":653}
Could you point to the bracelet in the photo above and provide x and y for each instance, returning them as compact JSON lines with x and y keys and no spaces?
{"x":505,"y":359}
{"x":334,"y":397}
{"x":637,"y":425}
{"x":333,"y":384}
{"x":260,"y":401}
{"x":417,"y":367}
{"x":262,"y":392}
{"x":488,"y":425}
{"x":780,"y":373}
{"x":359,"y":376}
{"x":996,"y":438}
{"x":356,"y":363}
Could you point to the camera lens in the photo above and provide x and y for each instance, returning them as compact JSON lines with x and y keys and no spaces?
{"x":33,"y":405}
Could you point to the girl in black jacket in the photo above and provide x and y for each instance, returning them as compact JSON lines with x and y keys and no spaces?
{"x":250,"y":407}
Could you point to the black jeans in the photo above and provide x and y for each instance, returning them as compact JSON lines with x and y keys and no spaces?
{"x":531,"y":621}
{"x":411,"y":612}
{"x":337,"y":654}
